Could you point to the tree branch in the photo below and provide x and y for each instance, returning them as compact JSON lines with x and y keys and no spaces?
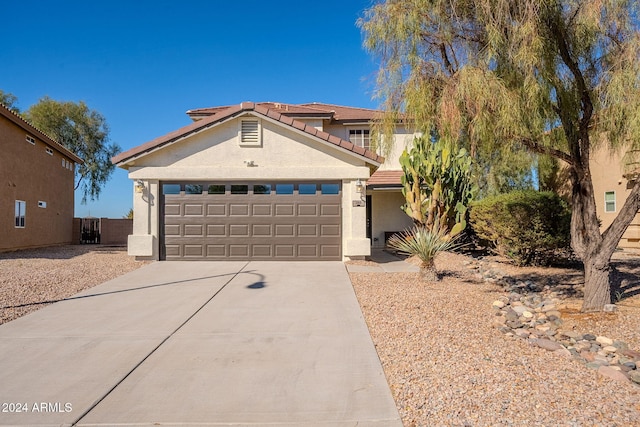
{"x":565,"y":54}
{"x":614,"y":232}
{"x":445,"y":58}
{"x":541,"y":149}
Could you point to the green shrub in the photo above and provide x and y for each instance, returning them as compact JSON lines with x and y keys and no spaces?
{"x":529,"y":227}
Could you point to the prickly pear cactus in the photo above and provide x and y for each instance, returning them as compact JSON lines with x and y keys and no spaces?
{"x":437,"y":184}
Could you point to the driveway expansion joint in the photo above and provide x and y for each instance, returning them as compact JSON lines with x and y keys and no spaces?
{"x":104,"y":396}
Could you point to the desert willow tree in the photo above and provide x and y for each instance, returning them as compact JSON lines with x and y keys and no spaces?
{"x":554,"y":77}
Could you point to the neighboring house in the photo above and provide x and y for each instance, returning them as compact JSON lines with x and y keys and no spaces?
{"x":36,"y":186}
{"x":611,"y":186}
{"x":265,"y":181}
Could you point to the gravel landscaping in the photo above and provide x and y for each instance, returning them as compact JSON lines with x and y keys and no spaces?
{"x":448,"y":364}
{"x":447,"y":359}
{"x":32,"y":279}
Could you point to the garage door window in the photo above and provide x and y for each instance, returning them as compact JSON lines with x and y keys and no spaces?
{"x":171,"y":189}
{"x":216,"y":189}
{"x":262,"y":189}
{"x":239,"y":189}
{"x":193,"y":189}
{"x":330,"y":188}
{"x":307,"y":189}
{"x":284,"y":188}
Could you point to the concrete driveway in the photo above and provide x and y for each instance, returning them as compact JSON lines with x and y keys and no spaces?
{"x":199,"y":343}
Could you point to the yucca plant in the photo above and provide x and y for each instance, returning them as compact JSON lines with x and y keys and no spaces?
{"x":425,"y":244}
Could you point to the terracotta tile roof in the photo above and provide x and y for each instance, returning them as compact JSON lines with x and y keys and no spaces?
{"x":290,"y":110}
{"x":385,"y":178}
{"x":34,"y":131}
{"x":221,"y":114}
{"x":342,"y":113}
{"x":335,"y":113}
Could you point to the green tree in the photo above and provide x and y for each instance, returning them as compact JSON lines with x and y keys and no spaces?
{"x":9,"y":100}
{"x":84,"y":132}
{"x":553,"y":76}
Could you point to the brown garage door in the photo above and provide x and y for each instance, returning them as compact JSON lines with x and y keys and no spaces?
{"x":259,"y":221}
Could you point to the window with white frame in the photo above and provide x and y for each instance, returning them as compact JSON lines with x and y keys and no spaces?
{"x":49,"y":151}
{"x":610,"y":201}
{"x":21,"y":208}
{"x":360,"y":137}
{"x":31,"y":140}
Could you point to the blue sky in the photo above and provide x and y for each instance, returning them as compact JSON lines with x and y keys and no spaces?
{"x":142,"y":64}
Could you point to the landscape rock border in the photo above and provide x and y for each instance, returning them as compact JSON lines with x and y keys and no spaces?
{"x":532,"y":312}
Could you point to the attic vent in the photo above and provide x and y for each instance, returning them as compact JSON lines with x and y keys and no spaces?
{"x":249,"y":132}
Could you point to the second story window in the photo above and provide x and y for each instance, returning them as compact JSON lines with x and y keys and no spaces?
{"x":360,"y":137}
{"x":610,"y":201}
{"x":21,"y":208}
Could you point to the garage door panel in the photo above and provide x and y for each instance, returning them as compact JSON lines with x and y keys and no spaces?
{"x":172,"y":209}
{"x":172,"y":230}
{"x":239,"y":230}
{"x":307,"y":210}
{"x":261,"y":210}
{"x":216,"y":209}
{"x":246,"y":226}
{"x":308,"y":230}
{"x":261,"y":251}
{"x":239,"y":250}
{"x":216,"y":230}
{"x":308,"y":251}
{"x":261,"y":230}
{"x":285,"y":251}
{"x":239,"y":210}
{"x":194,"y":230}
{"x":216,"y":251}
{"x":329,"y":251}
{"x":285,"y":209}
{"x":284,"y":230}
{"x":330,"y":210}
{"x":193,"y":251}
{"x":173,"y":250}
{"x":329,"y":230}
{"x":193,"y":209}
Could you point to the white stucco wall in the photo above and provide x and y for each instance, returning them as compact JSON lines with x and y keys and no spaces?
{"x":215,"y":154}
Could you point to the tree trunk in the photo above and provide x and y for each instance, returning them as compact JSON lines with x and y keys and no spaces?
{"x":597,"y":287}
{"x":594,"y":248}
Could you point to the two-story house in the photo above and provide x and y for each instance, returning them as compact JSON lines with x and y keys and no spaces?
{"x":265,"y":181}
{"x":36,"y":186}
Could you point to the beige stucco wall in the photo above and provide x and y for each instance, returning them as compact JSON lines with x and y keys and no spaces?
{"x":216,"y":154}
{"x":402,"y":139}
{"x":607,"y":170}
{"x":29,"y":174}
{"x":386,"y":215}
